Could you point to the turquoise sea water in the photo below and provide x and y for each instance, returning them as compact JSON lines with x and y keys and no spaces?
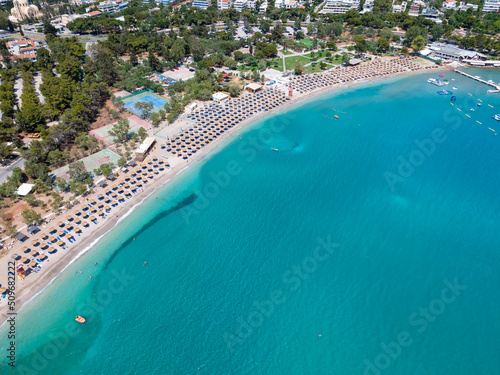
{"x":241,"y":279}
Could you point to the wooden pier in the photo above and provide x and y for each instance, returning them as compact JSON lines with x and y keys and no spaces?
{"x":492,"y":84}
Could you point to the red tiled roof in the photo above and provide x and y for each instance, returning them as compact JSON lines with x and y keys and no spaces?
{"x":24,"y":56}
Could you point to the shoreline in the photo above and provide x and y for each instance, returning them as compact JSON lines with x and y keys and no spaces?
{"x":35,"y":284}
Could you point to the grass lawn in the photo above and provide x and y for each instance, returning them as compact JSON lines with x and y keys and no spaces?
{"x":277,"y":64}
{"x":316,"y":68}
{"x":318,"y":54}
{"x":307,"y":42}
{"x":286,"y":52}
{"x":337,"y":59}
{"x":293,"y":60}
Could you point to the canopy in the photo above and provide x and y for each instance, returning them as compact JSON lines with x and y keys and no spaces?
{"x":24,"y":189}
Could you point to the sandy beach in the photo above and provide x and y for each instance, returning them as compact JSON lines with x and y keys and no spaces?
{"x":33,"y":284}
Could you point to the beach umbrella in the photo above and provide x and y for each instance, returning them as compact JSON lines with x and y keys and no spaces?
{"x":33,"y":253}
{"x":44,"y":246}
{"x":25,"y":249}
{"x":100,"y":213}
{"x":85,"y":224}
{"x":52,"y":239}
{"x":78,"y":221}
{"x":60,"y":224}
{"x":52,"y":229}
{"x":24,"y":260}
{"x":84,"y":208}
{"x":32,"y":264}
{"x":60,"y":243}
{"x":92,"y":218}
{"x":69,"y":218}
{"x":45,"y":236}
{"x":42,"y":257}
{"x":51,"y":250}
{"x":92,"y":202}
{"x":76,"y":212}
{"x":61,"y":233}
{"x":3,"y":290}
{"x":78,"y":230}
{"x":100,"y":205}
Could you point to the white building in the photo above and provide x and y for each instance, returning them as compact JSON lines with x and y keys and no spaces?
{"x":81,"y":2}
{"x":340,"y":6}
{"x":463,"y":6}
{"x":263,"y":7}
{"x":279,"y":4}
{"x":219,"y":96}
{"x":240,"y":5}
{"x":444,"y":51}
{"x":201,"y":4}
{"x":112,"y":6}
{"x":290,"y":4}
{"x":449,"y":4}
{"x":400,"y":8}
{"x":491,"y":6}
{"x":367,"y":6}
{"x":224,"y":4}
{"x":431,"y":14}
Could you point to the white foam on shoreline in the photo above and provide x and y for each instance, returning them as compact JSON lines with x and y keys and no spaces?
{"x":289,"y":106}
{"x":91,"y":245}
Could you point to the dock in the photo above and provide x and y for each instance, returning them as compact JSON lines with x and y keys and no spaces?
{"x":489,"y":83}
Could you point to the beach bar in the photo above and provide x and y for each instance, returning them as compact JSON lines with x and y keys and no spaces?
{"x":219,"y":96}
{"x":144,"y":148}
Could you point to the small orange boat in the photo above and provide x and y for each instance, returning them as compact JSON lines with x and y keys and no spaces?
{"x":80,"y":319}
{"x":336,"y":116}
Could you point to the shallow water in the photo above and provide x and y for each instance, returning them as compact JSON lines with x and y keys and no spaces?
{"x":364,"y":245}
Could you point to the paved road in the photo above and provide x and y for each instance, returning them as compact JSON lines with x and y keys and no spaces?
{"x":7,"y":170}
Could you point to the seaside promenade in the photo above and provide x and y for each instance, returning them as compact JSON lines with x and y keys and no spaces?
{"x":66,"y":233}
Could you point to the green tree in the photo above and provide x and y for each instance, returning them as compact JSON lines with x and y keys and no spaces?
{"x":154,"y":63}
{"x":299,"y":68}
{"x":145,"y":107}
{"x":383,"y":44}
{"x":31,"y":217}
{"x":418,"y":44}
{"x":121,"y":130}
{"x":233,"y":90}
{"x":77,"y":171}
{"x":437,"y":31}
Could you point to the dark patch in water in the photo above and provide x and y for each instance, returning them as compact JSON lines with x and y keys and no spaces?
{"x":185,"y":202}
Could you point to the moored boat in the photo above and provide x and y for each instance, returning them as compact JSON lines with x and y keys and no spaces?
{"x":435,"y":81}
{"x":80,"y":319}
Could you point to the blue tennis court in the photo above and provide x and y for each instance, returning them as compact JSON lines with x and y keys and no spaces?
{"x":157,"y":101}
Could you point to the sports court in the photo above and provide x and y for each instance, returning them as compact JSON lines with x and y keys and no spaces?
{"x":143,"y":96}
{"x":102,"y":133}
{"x":91,"y":162}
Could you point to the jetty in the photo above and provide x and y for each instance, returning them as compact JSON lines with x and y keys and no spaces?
{"x":476,"y":78}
